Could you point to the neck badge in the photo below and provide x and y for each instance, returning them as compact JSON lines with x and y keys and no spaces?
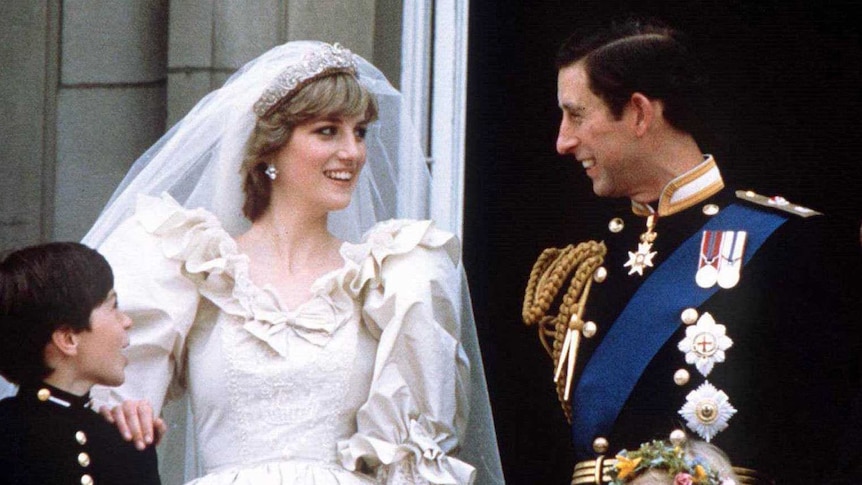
{"x":642,"y":258}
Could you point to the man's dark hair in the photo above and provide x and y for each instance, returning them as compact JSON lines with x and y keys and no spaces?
{"x":43,"y":288}
{"x":644,"y":57}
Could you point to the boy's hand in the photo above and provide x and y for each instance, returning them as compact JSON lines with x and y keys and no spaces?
{"x":136,"y":422}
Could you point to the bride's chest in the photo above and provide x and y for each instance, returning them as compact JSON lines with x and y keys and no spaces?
{"x":290,"y":368}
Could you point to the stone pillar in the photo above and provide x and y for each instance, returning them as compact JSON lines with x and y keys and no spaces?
{"x":28,"y":50}
{"x":110,"y":102}
{"x":210,"y":39}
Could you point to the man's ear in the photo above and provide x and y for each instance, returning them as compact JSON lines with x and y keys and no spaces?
{"x":65,"y":341}
{"x":645,"y":111}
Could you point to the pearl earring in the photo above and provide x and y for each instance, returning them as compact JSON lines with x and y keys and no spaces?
{"x":271,"y":171}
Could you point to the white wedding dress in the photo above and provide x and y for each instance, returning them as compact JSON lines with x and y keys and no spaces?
{"x":366,"y":382}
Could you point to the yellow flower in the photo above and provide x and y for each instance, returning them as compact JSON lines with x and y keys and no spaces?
{"x":699,"y":474}
{"x":626,"y":466}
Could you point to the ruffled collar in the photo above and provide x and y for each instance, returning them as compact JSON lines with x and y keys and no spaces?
{"x":211,"y":258}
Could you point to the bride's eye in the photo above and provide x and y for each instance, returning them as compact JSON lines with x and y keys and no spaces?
{"x":327,"y":130}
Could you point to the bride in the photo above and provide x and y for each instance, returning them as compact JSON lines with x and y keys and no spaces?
{"x":306,"y":358}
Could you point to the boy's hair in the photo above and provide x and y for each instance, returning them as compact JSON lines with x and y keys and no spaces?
{"x":43,"y":288}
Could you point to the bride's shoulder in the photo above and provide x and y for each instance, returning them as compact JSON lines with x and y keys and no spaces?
{"x":400,"y":252}
{"x":405,"y":237}
{"x":163,"y":225}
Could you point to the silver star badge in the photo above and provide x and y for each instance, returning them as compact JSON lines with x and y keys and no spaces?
{"x":707,"y":411}
{"x":704,"y":344}
{"x":640,"y":259}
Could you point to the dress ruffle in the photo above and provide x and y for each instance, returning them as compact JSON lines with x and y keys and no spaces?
{"x":428,"y":462}
{"x":391,"y":238}
{"x":210,"y":257}
{"x":212,"y":260}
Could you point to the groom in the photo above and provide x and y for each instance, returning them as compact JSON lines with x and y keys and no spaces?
{"x":720,"y":315}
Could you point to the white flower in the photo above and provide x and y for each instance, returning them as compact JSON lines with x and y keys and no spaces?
{"x":707,"y":411}
{"x":705,"y":343}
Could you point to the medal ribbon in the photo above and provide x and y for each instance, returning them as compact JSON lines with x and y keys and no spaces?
{"x":709,"y":249}
{"x":647,"y":322}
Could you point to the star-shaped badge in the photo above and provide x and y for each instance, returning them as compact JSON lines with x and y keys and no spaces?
{"x":707,"y":411}
{"x":705,"y":343}
{"x":640,"y":259}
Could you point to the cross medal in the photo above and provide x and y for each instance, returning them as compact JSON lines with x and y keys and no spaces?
{"x":642,"y":258}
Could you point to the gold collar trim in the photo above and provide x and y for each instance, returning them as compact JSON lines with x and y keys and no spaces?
{"x":690,"y":188}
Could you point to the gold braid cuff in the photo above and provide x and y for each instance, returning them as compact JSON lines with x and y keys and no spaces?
{"x":576,"y":264}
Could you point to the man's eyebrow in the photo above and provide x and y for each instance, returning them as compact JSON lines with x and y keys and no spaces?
{"x":573,"y":109}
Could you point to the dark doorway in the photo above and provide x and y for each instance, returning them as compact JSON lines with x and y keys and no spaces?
{"x":785,"y":78}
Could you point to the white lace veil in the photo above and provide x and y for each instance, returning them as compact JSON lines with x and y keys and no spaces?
{"x":197,"y":162}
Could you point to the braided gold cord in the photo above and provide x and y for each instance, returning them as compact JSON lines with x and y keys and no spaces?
{"x":549,"y":273}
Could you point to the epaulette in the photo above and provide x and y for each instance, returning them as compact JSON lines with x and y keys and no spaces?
{"x":776,"y":202}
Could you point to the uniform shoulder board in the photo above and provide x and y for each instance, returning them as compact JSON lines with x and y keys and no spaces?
{"x":776,"y":202}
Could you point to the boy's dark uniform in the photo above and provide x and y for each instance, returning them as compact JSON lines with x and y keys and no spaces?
{"x":790,"y":370}
{"x":48,"y":436}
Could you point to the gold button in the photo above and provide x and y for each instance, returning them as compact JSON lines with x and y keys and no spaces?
{"x":616,"y":225}
{"x":81,"y":438}
{"x":689,"y":316}
{"x":681,"y":377}
{"x":710,"y":209}
{"x":83,"y":459}
{"x":677,"y":437}
{"x":86,"y":480}
{"x":43,"y":394}
{"x":706,"y":411}
{"x":600,"y":445}
{"x":600,"y":275}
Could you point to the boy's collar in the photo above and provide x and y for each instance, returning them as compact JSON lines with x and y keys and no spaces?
{"x":45,"y":393}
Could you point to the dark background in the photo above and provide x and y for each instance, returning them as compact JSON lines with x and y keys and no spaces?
{"x":785,"y":79}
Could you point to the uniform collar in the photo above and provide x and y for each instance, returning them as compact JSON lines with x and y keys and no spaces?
{"x":686,"y":190}
{"x":48,"y":394}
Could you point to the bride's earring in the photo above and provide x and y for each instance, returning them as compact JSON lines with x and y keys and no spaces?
{"x":271,"y":171}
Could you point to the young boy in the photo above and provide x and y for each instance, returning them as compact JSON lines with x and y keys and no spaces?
{"x":60,"y":333}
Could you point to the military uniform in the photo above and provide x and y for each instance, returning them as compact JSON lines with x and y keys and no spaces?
{"x":746,"y":335}
{"x":48,"y":436}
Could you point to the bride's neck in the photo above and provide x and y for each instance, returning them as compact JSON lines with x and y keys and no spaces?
{"x":294,"y":232}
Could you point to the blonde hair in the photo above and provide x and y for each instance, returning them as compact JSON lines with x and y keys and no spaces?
{"x":704,"y":452}
{"x":332,"y":96}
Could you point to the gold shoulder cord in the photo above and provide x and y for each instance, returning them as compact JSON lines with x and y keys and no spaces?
{"x":550,"y":272}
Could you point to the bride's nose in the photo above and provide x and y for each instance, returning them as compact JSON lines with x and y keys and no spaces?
{"x":352,"y":148}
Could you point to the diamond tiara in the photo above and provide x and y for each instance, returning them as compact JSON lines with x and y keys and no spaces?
{"x":328,"y":59}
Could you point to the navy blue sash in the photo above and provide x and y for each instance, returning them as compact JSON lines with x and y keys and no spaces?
{"x":649,"y":319}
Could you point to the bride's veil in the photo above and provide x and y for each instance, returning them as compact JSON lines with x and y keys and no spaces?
{"x":197,"y":162}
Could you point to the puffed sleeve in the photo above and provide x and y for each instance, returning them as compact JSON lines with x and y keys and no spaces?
{"x":417,"y":407}
{"x":160,"y":300}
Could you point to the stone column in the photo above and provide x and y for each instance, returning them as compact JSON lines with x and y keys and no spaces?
{"x":28,"y":50}
{"x":210,"y":39}
{"x":110,"y":102}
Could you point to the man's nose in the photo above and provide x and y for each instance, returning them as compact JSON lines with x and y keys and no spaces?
{"x":566,"y":139}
